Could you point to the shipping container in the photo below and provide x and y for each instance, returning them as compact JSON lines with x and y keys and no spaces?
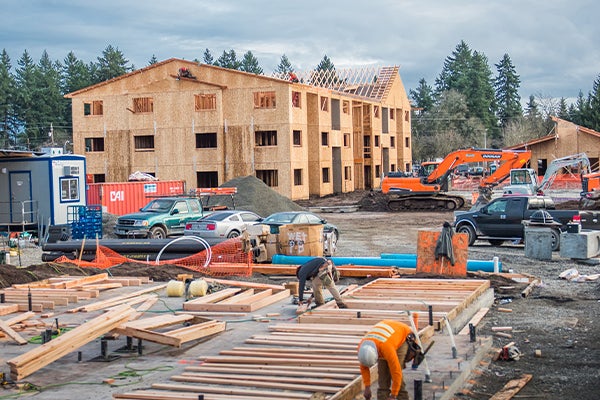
{"x":122,"y":198}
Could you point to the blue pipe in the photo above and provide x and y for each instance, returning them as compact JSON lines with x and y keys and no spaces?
{"x":401,"y":261}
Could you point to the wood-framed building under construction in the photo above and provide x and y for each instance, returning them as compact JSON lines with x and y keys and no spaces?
{"x":325,"y":132}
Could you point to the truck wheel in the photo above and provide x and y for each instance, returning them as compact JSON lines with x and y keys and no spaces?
{"x":555,"y":239}
{"x":233,"y":234}
{"x":468,"y":229}
{"x":156,"y":232}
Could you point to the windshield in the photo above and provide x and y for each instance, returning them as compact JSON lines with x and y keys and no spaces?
{"x":280,"y":218}
{"x":216,"y":216}
{"x":159,"y":206}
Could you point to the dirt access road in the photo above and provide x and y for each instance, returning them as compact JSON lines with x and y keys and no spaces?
{"x":560,"y":318}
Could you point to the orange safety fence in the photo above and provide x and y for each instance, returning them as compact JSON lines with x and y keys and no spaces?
{"x":561,"y":181}
{"x":227,"y":258}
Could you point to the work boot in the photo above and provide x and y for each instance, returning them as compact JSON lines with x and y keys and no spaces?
{"x":342,"y":305}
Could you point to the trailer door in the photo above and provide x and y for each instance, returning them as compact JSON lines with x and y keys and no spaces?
{"x":21,"y":206}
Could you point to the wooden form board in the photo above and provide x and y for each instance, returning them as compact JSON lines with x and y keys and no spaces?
{"x":395,"y":298}
{"x":148,"y":329}
{"x":292,"y":361}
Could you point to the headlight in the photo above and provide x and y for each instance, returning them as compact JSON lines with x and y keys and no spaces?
{"x":140,"y":223}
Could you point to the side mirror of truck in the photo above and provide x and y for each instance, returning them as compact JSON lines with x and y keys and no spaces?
{"x":175,"y":211}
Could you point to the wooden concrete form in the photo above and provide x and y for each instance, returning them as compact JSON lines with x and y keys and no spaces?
{"x":396,"y":298}
{"x":327,"y":139}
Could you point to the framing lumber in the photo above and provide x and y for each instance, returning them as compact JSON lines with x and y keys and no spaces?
{"x":26,"y":364}
{"x":10,"y":332}
{"x":6,"y":309}
{"x":71,"y":283}
{"x":99,"y":305}
{"x":476,"y":319}
{"x":232,"y":300}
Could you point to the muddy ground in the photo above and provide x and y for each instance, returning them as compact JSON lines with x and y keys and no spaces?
{"x":559,"y":318}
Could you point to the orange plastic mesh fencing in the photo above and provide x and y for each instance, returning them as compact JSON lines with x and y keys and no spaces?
{"x":228,"y":258}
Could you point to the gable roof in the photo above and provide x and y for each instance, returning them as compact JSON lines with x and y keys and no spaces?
{"x":553,"y":135}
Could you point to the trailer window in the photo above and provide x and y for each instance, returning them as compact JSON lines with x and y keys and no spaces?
{"x":69,"y":189}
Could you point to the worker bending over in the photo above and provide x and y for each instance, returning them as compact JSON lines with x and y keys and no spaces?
{"x":322,"y":273}
{"x":390,"y":344}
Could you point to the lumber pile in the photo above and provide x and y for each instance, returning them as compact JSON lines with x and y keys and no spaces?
{"x":147,"y":329}
{"x":28,"y":363}
{"x":10,"y":327}
{"x":244,"y":297}
{"x":61,"y":291}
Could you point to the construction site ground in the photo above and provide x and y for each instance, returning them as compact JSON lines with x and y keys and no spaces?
{"x":558,"y":320}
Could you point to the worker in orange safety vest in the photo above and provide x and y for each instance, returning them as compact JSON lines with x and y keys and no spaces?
{"x":389,"y":344}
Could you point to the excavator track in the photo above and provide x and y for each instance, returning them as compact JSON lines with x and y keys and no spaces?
{"x":439,"y":202}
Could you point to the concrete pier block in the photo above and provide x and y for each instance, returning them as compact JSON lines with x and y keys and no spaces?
{"x":538,"y":243}
{"x":582,"y":245}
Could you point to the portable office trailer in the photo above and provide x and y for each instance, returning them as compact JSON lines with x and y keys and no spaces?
{"x":37,"y":191}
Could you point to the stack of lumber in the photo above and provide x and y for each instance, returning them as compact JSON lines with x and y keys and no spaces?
{"x":28,"y":363}
{"x":147,"y":329}
{"x":394,"y":298}
{"x":61,"y":291}
{"x":243,"y":297}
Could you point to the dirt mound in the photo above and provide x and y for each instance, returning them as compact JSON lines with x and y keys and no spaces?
{"x":254,"y":195}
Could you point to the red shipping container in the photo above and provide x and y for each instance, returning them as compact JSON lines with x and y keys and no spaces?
{"x":121,"y":198}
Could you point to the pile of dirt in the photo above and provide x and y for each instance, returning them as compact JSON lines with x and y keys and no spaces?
{"x":254,"y":195}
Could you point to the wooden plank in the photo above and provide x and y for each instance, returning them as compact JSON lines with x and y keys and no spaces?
{"x":279,"y":372}
{"x":235,"y":376}
{"x":232,"y":391}
{"x":116,"y":300}
{"x":474,"y":320}
{"x":79,"y":281}
{"x":193,"y":395}
{"x":258,"y":384}
{"x":19,"y":318}
{"x":213,"y":297}
{"x":238,"y":297}
{"x":10,"y":332}
{"x":26,"y":364}
{"x":512,"y":388}
{"x":6,"y":309}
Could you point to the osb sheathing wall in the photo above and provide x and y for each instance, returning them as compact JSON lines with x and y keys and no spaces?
{"x":174,"y":123}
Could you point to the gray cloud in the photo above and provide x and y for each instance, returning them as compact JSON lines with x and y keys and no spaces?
{"x":551,"y":42}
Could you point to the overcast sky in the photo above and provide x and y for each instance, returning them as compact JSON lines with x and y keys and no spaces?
{"x":553,"y":44}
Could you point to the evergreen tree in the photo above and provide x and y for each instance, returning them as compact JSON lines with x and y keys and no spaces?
{"x":593,"y":115}
{"x":423,"y":96}
{"x":76,"y":75}
{"x":208,"y":57}
{"x":285,"y":67}
{"x":8,"y":121}
{"x":454,"y":73}
{"x":507,"y":91}
{"x":326,"y":64}
{"x":111,"y":64}
{"x":228,"y":60}
{"x":563,"y":110}
{"x":49,"y":103}
{"x":25,"y":99}
{"x":153,"y":60}
{"x":250,"y":64}
{"x":481,"y":99}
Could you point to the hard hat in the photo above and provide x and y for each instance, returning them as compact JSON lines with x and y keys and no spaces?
{"x":367,"y":353}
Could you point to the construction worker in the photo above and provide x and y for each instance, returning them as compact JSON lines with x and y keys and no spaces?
{"x":390,"y":344}
{"x":322,"y":272}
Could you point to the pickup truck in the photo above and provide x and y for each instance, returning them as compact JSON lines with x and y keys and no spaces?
{"x":502,"y":219}
{"x":160,"y":218}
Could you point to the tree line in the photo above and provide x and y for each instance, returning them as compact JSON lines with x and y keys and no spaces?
{"x":466,"y":106}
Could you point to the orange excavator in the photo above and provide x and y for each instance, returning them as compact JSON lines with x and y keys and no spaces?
{"x":430,"y":192}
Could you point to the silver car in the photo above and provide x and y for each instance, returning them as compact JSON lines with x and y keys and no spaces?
{"x":224,"y":224}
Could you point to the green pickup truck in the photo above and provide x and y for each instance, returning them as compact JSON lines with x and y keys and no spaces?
{"x":162,"y":217}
